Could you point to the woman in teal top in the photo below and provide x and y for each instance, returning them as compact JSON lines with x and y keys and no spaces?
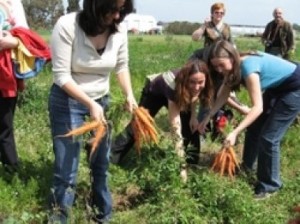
{"x":273,"y":85}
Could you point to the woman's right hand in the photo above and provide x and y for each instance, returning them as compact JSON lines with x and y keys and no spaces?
{"x":206,"y":21}
{"x":131,"y":103}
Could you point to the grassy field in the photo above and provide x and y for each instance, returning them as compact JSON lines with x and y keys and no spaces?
{"x":148,"y":189}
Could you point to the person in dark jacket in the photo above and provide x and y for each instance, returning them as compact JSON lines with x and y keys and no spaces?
{"x":278,"y":36}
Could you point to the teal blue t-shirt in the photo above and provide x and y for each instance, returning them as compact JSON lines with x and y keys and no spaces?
{"x":272,"y":70}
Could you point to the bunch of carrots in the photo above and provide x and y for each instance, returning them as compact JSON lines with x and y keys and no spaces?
{"x":98,"y":127}
{"x":226,"y":161}
{"x":143,"y":127}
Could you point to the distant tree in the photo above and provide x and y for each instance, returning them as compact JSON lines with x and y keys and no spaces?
{"x":73,"y":6}
{"x":181,"y":28}
{"x":43,"y":14}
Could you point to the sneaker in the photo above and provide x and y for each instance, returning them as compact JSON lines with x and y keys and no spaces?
{"x":263,"y":195}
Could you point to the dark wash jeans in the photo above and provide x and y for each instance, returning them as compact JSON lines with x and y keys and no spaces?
{"x":66,"y":114}
{"x":263,"y":137}
{"x":153,"y":102}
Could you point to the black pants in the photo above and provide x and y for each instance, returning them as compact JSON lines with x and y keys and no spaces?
{"x":125,"y":140}
{"x":8,"y":153}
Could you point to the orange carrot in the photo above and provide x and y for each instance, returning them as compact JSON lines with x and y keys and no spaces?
{"x":89,"y":126}
{"x":140,"y":127}
{"x":143,"y":127}
{"x":225,"y":161}
{"x":146,"y":113}
{"x":143,"y":118}
{"x":100,"y":132}
{"x":233,"y":155}
{"x":137,"y":137}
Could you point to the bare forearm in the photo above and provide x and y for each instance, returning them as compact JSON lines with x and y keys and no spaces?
{"x":125,"y":83}
{"x":197,"y":34}
{"x":248,"y":119}
{"x":73,"y":90}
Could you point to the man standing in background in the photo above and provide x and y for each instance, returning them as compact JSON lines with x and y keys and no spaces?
{"x":278,"y":36}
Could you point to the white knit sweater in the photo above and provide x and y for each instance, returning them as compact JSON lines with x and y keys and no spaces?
{"x":75,"y":58}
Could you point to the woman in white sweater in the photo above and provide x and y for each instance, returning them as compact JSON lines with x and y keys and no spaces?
{"x":86,"y":47}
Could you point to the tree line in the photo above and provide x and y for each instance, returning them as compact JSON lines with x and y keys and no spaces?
{"x":42,"y":14}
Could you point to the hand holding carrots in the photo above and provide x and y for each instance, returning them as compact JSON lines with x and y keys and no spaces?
{"x":96,"y":112}
{"x":231,"y":138}
{"x":131,"y":103}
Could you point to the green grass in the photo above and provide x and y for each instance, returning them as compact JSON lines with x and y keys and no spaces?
{"x":148,"y":190}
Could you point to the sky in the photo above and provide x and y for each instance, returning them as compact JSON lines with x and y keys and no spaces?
{"x":238,"y":12}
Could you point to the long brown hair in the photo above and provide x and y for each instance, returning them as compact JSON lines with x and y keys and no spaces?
{"x":182,"y":96}
{"x":224,"y":49}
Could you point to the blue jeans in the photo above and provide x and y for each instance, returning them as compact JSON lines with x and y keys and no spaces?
{"x":66,"y":114}
{"x":263,"y":137}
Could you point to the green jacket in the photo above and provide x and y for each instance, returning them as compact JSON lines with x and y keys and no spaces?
{"x":212,"y":34}
{"x":286,"y":36}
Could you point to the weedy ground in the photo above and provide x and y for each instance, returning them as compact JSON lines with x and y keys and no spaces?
{"x":147,"y":189}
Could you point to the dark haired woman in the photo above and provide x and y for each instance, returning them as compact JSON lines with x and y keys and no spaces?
{"x":273,"y":85}
{"x":178,"y":90}
{"x":86,"y":47}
